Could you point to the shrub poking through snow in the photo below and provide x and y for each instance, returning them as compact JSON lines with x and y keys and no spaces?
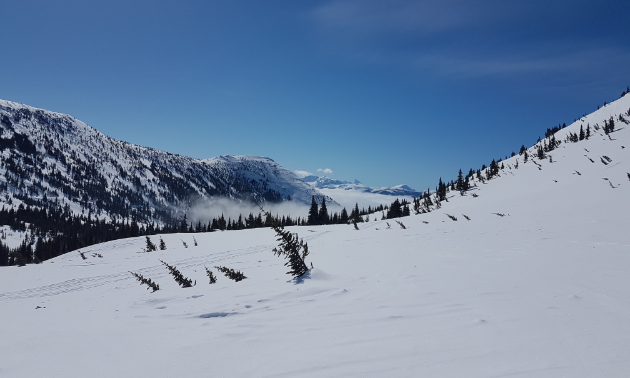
{"x":293,"y":249}
{"x":150,"y":247}
{"x":162,"y":244}
{"x":213,"y":278}
{"x":146,"y":281}
{"x":178,"y":276}
{"x":231,"y":273}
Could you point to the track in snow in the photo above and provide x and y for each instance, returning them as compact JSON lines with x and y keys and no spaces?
{"x":156,"y":271}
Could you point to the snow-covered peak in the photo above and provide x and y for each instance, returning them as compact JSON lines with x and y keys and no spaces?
{"x":68,"y":163}
{"x":324,"y":182}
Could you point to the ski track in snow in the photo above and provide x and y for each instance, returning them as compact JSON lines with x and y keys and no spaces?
{"x":156,"y":271}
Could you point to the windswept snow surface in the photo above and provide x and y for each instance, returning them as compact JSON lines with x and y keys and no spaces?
{"x":539,"y":289}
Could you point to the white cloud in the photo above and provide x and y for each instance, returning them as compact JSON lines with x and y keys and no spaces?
{"x":303,"y":173}
{"x":327,"y":171}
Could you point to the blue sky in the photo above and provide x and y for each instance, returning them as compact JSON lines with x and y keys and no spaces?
{"x":387,"y":92}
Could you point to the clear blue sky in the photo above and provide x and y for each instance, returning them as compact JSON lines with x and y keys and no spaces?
{"x":387,"y":92}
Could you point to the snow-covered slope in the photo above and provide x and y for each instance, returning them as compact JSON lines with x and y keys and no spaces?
{"x":533,"y":285}
{"x":59,"y":160}
{"x":244,"y":169}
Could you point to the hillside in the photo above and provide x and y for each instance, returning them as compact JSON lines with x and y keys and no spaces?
{"x":529,"y":280}
{"x":53,"y":159}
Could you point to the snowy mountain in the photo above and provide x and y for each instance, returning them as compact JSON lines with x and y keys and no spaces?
{"x":525,"y":274}
{"x":347,"y":193}
{"x":323,"y":182}
{"x":53,"y":159}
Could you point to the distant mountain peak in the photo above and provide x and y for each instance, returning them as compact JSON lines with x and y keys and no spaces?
{"x":324,"y":182}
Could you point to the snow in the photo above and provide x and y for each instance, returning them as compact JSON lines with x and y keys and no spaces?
{"x":13,"y":238}
{"x":538,"y":292}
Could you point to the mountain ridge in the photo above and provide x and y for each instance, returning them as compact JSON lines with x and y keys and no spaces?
{"x":52,"y":158}
{"x":324,"y":182}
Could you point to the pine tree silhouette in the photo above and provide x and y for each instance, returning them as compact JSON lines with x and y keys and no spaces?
{"x":313,"y":213}
{"x":177,"y":275}
{"x":211,"y":276}
{"x":323,"y":213}
{"x":231,"y":273}
{"x":146,"y":281}
{"x":150,"y":247}
{"x":293,"y":249}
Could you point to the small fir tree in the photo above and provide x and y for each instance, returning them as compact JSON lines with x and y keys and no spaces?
{"x":323,"y":213}
{"x":178,"y":276}
{"x":293,"y":249}
{"x":231,"y":273}
{"x":146,"y":281}
{"x":150,"y":247}
{"x":162,"y":244}
{"x":211,"y":276}
{"x":313,"y":213}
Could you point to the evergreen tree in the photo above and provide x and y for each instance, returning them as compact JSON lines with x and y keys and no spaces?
{"x":146,"y":281}
{"x":134,"y":229}
{"x":230,"y":273}
{"x":177,"y":275}
{"x":293,"y":249}
{"x":395,"y":210}
{"x":313,"y":213}
{"x":184,"y":225}
{"x":356,"y":215}
{"x":460,"y":181}
{"x":323,"y":213}
{"x":441,"y":191}
{"x":150,"y":247}
{"x":343,"y":218}
{"x":162,"y":244}
{"x":211,"y":276}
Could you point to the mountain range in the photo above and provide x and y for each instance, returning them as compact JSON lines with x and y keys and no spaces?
{"x":323,"y":182}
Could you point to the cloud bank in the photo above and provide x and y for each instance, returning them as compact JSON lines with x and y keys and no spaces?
{"x":206,"y":209}
{"x":302,"y":173}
